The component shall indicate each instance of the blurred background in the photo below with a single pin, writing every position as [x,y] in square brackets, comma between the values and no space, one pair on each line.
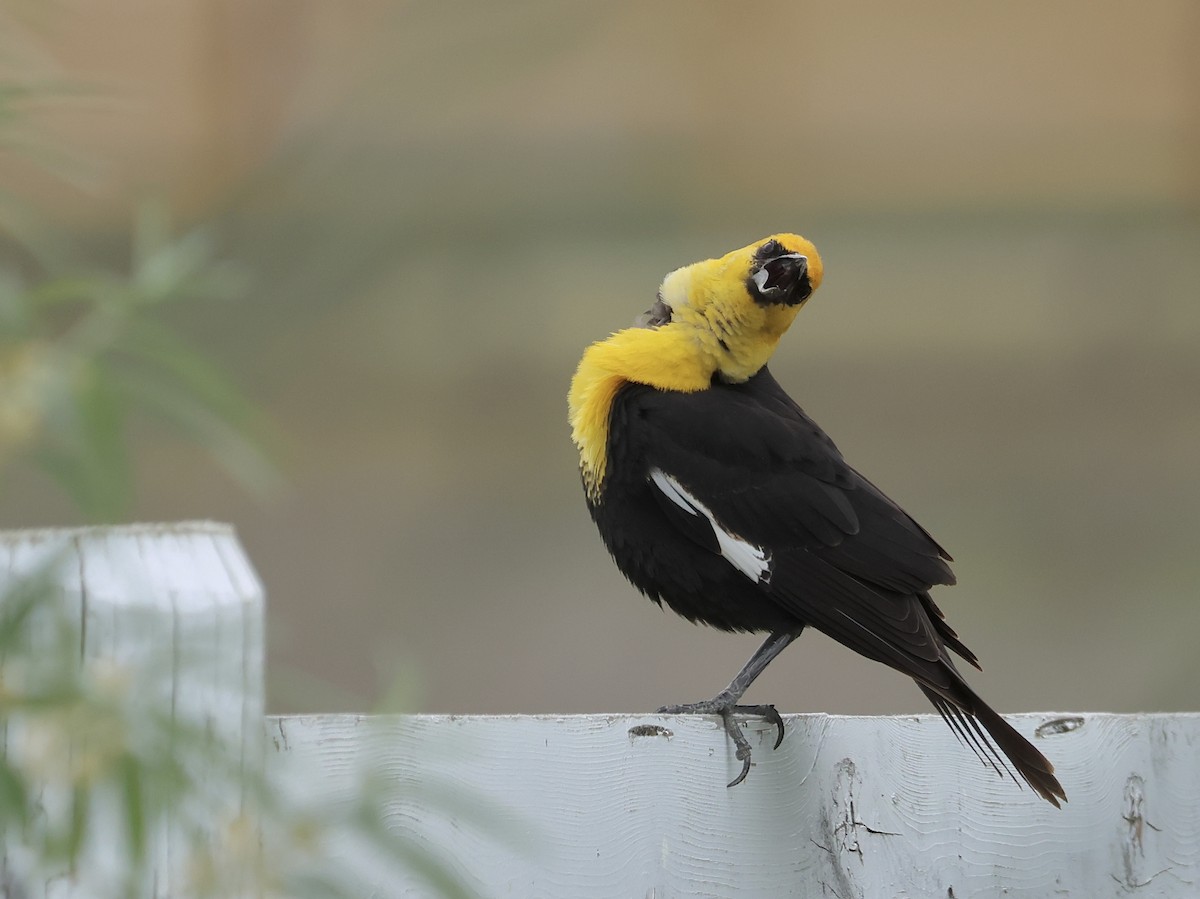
[324,271]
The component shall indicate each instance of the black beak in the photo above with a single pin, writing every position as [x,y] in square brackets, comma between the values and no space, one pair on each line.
[781,280]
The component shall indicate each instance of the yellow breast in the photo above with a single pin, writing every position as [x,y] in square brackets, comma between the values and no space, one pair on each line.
[666,358]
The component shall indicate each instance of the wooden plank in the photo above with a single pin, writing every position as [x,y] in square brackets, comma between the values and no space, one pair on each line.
[171,616]
[604,805]
[636,805]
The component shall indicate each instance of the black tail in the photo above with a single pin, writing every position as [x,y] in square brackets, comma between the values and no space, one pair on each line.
[981,728]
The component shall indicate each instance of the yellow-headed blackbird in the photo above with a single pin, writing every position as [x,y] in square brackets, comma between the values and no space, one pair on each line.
[716,494]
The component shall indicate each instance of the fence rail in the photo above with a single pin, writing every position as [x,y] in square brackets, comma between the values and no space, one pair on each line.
[636,805]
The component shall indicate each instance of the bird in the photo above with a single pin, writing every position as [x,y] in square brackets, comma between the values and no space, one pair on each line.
[718,496]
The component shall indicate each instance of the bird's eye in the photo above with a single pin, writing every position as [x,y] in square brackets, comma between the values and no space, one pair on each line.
[770,249]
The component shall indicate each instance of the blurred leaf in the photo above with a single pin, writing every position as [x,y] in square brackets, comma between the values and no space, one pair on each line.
[222,439]
[44,246]
[206,384]
[81,357]
[45,697]
[101,416]
[168,269]
[323,886]
[77,289]
[104,357]
[81,803]
[15,318]
[130,775]
[91,461]
[14,809]
[18,602]
[83,740]
[402,687]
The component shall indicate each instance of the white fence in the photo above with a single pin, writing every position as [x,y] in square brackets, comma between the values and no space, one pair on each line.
[635,805]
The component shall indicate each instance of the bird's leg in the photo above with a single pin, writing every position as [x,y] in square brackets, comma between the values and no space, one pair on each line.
[724,704]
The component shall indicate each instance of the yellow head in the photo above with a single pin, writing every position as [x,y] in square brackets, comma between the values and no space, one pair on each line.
[718,318]
[735,309]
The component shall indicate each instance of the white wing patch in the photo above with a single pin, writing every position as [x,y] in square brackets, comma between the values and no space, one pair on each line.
[752,561]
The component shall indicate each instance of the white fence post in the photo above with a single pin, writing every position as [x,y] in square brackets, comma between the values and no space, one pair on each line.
[175,613]
[603,806]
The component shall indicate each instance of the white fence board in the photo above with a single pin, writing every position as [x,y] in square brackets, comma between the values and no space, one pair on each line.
[177,611]
[636,805]
[613,805]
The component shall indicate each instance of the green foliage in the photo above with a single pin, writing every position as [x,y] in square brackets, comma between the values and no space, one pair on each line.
[82,352]
[85,348]
[97,771]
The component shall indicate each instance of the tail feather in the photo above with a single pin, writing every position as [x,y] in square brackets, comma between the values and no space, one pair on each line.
[949,636]
[987,734]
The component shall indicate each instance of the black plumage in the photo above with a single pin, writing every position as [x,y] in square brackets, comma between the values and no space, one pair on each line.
[840,556]
[718,496]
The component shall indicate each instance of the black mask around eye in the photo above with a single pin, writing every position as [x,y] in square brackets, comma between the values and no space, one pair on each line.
[779,277]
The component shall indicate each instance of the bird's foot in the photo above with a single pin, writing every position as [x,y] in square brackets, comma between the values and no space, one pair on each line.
[726,709]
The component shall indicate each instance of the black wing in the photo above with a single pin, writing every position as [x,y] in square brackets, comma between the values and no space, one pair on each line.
[844,557]
[743,465]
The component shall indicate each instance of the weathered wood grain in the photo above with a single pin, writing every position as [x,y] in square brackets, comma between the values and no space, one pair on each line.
[635,805]
[172,616]
[614,805]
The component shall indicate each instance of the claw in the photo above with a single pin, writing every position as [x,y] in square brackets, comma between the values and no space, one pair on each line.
[745,770]
[734,730]
[726,711]
[773,717]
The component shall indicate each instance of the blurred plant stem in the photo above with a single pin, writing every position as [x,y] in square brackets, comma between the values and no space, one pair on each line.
[98,767]
[81,352]
[96,763]
[86,349]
